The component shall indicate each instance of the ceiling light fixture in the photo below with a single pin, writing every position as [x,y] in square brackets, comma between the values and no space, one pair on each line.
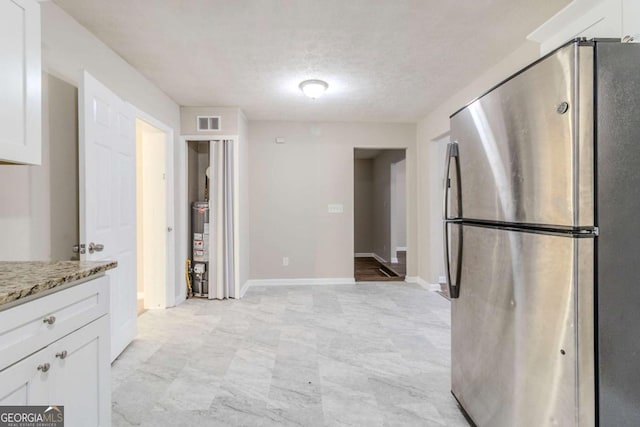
[313,88]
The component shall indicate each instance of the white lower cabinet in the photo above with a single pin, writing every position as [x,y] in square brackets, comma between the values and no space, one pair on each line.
[80,375]
[73,371]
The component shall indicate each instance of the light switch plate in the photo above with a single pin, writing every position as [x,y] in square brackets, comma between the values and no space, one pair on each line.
[335,208]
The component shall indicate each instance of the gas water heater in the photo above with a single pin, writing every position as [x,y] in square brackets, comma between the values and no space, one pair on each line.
[200,248]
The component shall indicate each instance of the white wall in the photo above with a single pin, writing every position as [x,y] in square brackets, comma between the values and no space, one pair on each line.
[382,203]
[63,175]
[398,207]
[291,185]
[363,205]
[192,190]
[67,49]
[201,173]
[35,197]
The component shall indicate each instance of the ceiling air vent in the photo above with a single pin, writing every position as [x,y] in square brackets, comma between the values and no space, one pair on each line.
[205,123]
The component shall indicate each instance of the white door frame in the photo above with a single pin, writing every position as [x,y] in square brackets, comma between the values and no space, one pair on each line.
[436,150]
[169,293]
[183,211]
[393,201]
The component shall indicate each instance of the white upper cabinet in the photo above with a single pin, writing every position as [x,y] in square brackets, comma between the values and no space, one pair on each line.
[20,82]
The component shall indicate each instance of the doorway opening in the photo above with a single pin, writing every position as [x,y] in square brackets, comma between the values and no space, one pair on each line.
[211,199]
[198,237]
[380,214]
[152,155]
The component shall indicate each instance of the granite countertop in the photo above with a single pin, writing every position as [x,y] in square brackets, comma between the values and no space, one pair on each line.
[25,280]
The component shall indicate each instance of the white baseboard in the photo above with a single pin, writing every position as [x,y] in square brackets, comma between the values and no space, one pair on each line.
[180,298]
[394,260]
[245,288]
[435,287]
[431,287]
[379,258]
[442,279]
[401,248]
[301,282]
[411,279]
[363,255]
[426,285]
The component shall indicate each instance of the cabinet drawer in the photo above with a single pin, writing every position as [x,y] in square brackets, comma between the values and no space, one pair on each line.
[31,326]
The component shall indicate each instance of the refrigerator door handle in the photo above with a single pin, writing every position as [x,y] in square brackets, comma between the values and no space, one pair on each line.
[454,288]
[447,263]
[452,151]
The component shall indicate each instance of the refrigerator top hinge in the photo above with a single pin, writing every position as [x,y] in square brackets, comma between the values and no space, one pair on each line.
[454,149]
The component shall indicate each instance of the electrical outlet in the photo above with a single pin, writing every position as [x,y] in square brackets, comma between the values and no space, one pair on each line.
[285,261]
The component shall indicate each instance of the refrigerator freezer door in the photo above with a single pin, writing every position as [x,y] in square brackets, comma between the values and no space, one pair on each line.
[526,148]
[522,328]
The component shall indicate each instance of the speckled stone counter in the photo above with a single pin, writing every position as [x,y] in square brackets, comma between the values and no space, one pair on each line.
[26,280]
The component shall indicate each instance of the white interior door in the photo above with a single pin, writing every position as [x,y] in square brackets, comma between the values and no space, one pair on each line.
[107,157]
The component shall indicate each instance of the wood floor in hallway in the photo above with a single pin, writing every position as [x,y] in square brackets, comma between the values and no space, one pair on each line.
[369,269]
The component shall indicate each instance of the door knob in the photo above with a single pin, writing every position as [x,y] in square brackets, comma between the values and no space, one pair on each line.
[44,367]
[78,249]
[169,229]
[62,355]
[95,247]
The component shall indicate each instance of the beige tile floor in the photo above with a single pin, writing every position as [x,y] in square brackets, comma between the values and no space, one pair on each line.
[371,354]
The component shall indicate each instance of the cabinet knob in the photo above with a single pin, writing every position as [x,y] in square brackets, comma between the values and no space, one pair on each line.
[44,367]
[62,354]
[49,320]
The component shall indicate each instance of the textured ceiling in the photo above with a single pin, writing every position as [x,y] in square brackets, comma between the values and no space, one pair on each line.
[384,60]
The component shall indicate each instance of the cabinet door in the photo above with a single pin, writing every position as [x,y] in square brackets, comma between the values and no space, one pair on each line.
[20,82]
[26,382]
[81,365]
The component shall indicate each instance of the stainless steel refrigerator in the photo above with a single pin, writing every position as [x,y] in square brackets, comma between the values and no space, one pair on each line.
[542,243]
